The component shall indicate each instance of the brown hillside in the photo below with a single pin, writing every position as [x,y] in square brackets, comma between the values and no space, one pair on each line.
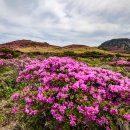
[24,44]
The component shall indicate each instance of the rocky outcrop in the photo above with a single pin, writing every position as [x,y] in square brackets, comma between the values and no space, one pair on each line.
[117,45]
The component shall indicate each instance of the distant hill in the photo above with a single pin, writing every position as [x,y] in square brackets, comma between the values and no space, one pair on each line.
[24,44]
[117,45]
[29,43]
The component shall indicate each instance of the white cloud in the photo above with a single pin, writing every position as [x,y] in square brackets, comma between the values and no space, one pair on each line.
[64,22]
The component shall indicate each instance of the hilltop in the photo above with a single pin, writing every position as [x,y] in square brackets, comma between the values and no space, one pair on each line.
[24,44]
[117,45]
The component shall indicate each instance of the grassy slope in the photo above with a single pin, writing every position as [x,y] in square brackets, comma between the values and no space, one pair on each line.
[51,49]
[60,50]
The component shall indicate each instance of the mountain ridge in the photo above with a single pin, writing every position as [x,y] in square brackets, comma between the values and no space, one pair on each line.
[29,43]
[120,45]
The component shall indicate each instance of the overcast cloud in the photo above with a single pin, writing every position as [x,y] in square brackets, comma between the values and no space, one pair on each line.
[63,22]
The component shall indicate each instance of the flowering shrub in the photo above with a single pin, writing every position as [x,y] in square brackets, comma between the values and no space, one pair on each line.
[128,68]
[2,62]
[1,54]
[18,64]
[9,56]
[120,62]
[64,93]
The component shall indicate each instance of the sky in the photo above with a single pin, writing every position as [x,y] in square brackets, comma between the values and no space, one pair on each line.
[63,22]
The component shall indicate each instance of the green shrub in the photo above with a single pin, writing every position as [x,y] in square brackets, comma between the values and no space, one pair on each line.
[118,55]
[9,53]
[34,54]
[6,50]
[128,59]
[69,53]
[92,54]
[16,53]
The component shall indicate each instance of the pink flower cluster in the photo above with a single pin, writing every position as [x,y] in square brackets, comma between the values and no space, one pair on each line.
[9,56]
[128,69]
[18,63]
[1,53]
[2,61]
[120,62]
[70,92]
